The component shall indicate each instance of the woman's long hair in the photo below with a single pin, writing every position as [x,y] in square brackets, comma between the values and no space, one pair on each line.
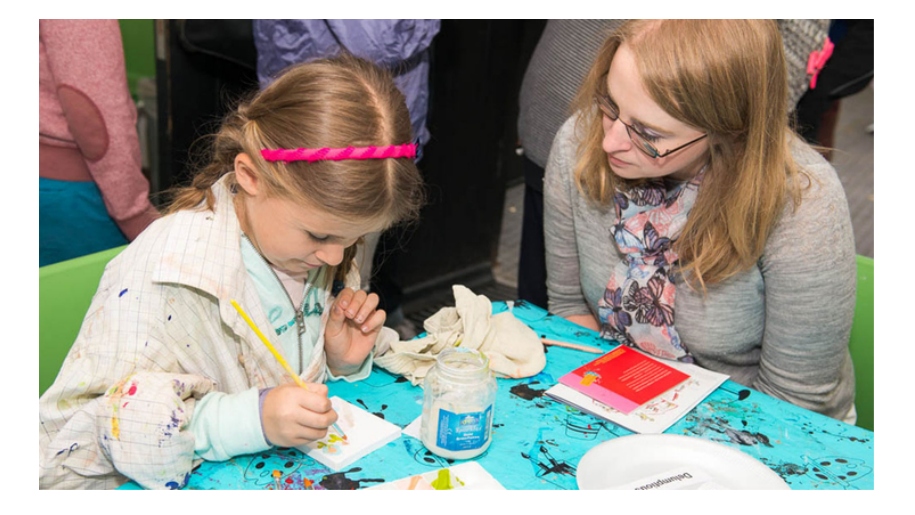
[727,78]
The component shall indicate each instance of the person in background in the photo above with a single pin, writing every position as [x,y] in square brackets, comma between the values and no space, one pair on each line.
[559,63]
[92,192]
[684,217]
[563,54]
[848,70]
[165,371]
[401,46]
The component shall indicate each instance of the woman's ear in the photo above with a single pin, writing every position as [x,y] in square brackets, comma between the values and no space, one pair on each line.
[246,174]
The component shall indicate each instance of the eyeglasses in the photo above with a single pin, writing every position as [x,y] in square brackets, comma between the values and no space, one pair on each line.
[609,108]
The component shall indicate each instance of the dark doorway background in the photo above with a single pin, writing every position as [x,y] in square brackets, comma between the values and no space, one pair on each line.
[203,66]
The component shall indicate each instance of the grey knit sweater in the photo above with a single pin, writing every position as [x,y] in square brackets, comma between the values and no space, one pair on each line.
[781,327]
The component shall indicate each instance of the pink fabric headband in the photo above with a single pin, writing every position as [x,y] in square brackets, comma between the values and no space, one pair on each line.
[339,154]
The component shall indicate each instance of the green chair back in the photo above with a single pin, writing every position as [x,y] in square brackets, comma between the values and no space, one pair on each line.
[139,38]
[861,343]
[65,290]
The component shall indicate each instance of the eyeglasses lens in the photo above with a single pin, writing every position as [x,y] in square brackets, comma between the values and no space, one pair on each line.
[610,110]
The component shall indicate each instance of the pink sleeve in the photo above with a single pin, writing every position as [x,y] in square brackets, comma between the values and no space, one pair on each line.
[86,58]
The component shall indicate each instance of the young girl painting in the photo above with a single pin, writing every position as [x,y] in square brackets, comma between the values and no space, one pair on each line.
[165,372]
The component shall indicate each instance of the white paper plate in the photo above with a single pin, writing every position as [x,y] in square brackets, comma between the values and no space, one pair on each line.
[664,461]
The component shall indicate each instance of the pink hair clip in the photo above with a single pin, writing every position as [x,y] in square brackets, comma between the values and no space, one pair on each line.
[817,61]
[339,154]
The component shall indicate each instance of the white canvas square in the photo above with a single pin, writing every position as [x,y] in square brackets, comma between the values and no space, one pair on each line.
[469,475]
[365,433]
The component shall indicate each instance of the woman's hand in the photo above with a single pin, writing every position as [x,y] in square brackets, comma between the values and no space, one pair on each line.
[585,321]
[293,416]
[352,329]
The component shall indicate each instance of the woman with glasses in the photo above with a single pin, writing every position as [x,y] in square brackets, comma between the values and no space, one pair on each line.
[684,217]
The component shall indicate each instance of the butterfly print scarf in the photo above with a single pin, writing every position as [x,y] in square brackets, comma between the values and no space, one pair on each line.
[637,308]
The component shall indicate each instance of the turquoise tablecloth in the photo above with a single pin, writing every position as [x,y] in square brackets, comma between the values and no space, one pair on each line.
[538,442]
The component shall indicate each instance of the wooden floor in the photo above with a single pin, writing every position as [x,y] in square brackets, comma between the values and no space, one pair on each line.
[853,160]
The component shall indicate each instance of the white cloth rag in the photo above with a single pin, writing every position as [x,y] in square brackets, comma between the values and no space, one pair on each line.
[514,349]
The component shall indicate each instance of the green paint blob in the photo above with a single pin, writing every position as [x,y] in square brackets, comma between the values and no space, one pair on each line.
[443,482]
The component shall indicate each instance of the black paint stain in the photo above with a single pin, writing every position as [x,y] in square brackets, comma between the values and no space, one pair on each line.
[379,414]
[426,457]
[583,429]
[552,465]
[286,452]
[738,436]
[747,437]
[790,469]
[845,437]
[526,392]
[339,481]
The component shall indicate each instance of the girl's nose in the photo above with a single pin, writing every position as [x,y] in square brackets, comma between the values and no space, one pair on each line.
[330,254]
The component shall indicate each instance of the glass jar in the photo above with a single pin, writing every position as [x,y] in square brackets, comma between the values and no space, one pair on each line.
[458,400]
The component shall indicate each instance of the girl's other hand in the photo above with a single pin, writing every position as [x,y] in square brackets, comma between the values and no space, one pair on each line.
[352,329]
[293,416]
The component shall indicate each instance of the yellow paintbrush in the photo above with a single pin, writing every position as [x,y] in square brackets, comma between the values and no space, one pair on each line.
[270,347]
[277,355]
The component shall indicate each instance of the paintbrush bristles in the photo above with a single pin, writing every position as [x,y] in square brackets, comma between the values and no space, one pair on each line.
[339,431]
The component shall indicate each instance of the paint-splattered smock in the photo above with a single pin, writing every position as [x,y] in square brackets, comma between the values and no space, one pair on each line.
[159,335]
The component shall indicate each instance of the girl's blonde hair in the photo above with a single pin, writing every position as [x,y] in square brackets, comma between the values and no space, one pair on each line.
[727,78]
[336,102]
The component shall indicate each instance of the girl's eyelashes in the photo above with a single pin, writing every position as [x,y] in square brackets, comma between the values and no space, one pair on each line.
[317,238]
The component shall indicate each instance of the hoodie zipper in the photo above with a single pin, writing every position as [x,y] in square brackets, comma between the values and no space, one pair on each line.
[299,313]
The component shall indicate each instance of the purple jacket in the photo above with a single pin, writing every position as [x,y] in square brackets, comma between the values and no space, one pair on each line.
[401,46]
